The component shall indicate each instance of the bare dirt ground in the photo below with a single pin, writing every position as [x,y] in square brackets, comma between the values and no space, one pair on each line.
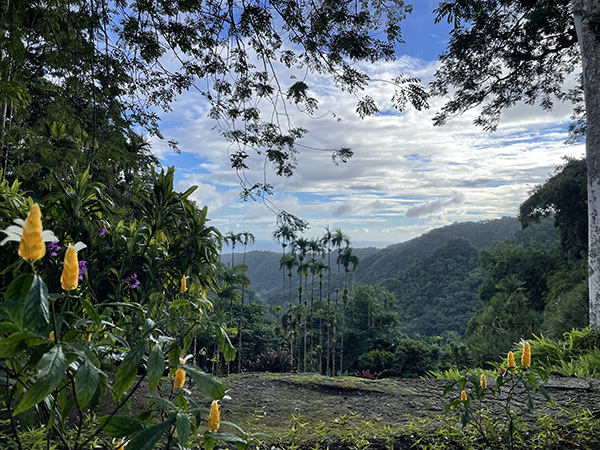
[313,407]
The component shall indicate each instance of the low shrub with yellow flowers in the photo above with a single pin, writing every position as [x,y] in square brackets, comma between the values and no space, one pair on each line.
[57,365]
[512,380]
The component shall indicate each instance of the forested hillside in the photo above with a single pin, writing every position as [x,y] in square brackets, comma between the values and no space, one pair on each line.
[434,277]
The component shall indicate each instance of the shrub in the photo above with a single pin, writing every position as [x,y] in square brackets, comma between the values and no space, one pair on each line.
[377,360]
[279,362]
[415,358]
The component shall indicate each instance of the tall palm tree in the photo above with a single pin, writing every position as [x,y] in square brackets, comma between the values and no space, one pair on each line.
[284,234]
[245,238]
[339,239]
[346,259]
[287,262]
[231,239]
[327,242]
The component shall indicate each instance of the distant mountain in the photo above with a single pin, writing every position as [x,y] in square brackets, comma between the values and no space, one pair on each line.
[435,277]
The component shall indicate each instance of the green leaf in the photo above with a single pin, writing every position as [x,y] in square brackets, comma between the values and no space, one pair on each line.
[86,383]
[147,439]
[208,383]
[162,403]
[119,426]
[91,312]
[128,370]
[19,341]
[156,367]
[36,312]
[228,437]
[17,290]
[184,428]
[229,350]
[51,369]
[8,327]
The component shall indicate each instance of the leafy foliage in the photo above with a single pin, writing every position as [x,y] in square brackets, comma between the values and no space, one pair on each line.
[278,362]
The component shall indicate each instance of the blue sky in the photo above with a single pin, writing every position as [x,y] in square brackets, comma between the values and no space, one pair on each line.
[406,176]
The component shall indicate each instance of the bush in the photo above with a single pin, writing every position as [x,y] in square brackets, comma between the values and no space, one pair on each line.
[376,360]
[279,362]
[415,358]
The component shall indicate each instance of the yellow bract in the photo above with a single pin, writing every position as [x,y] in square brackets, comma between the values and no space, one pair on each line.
[70,274]
[183,284]
[526,358]
[32,245]
[179,377]
[511,362]
[214,417]
[483,381]
[463,396]
[51,335]
[120,445]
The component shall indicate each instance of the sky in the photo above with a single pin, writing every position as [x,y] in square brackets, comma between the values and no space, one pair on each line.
[406,176]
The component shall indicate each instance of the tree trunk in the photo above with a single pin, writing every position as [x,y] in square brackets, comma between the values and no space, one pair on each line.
[587,22]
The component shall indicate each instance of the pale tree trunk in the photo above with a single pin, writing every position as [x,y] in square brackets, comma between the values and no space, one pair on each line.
[587,22]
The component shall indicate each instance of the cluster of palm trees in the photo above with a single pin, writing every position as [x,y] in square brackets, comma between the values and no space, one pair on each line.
[311,322]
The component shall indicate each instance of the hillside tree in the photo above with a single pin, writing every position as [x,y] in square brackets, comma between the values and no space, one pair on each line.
[502,52]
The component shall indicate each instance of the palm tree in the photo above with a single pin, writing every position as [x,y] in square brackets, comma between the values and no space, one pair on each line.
[287,262]
[346,259]
[339,238]
[231,238]
[283,235]
[245,238]
[327,241]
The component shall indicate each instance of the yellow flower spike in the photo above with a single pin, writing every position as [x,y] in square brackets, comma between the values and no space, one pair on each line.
[179,377]
[30,235]
[526,357]
[120,445]
[511,362]
[483,381]
[51,336]
[463,396]
[32,245]
[89,337]
[214,417]
[69,279]
[183,284]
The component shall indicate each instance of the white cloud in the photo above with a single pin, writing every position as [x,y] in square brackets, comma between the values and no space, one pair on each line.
[436,206]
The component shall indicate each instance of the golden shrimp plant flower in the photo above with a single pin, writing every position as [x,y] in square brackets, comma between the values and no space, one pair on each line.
[30,235]
[183,284]
[511,362]
[463,396]
[214,417]
[69,279]
[483,381]
[526,357]
[179,380]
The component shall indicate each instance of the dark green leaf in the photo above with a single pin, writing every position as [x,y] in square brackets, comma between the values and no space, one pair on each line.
[184,427]
[17,290]
[227,437]
[91,312]
[86,383]
[128,370]
[118,426]
[19,341]
[229,350]
[147,439]
[208,383]
[156,367]
[162,403]
[36,312]
[51,370]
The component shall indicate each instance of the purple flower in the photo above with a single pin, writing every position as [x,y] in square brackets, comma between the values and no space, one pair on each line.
[82,268]
[102,232]
[53,247]
[132,281]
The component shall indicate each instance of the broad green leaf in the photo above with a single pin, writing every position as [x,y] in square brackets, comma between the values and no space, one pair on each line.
[51,369]
[8,327]
[119,426]
[229,350]
[36,312]
[208,383]
[86,383]
[184,427]
[147,439]
[91,312]
[17,290]
[227,437]
[156,367]
[128,370]
[19,341]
